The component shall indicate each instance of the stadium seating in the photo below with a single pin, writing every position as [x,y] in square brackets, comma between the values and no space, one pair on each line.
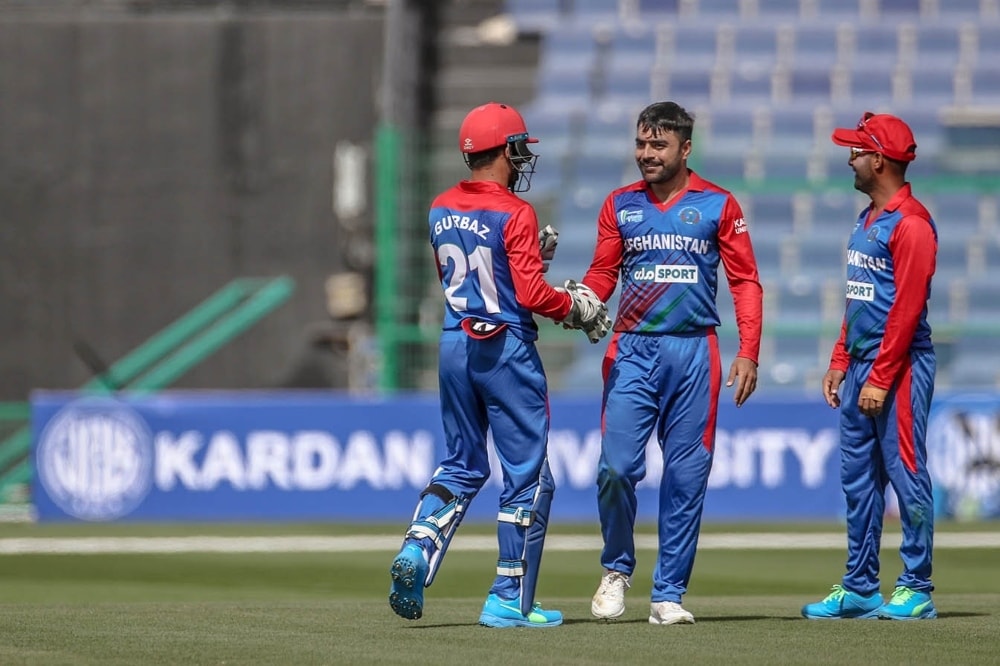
[767,81]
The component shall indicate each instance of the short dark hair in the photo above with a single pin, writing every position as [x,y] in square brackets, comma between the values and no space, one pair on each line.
[484,158]
[900,165]
[667,117]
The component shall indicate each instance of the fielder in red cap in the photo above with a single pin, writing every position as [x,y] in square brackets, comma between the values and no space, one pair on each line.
[489,254]
[885,360]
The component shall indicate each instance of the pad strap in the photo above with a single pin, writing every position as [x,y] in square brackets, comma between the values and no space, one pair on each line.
[517,515]
[510,567]
[435,523]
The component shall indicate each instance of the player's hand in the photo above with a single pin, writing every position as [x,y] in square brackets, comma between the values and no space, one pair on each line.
[587,312]
[831,384]
[742,373]
[548,239]
[871,400]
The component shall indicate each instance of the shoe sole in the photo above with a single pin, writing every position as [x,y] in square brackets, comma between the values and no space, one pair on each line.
[406,597]
[605,616]
[927,616]
[497,622]
[673,620]
[870,615]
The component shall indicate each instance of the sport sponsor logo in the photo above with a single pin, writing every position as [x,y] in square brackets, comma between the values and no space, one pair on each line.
[740,226]
[665,273]
[860,291]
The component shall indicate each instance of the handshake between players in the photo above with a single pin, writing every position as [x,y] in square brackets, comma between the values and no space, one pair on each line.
[587,313]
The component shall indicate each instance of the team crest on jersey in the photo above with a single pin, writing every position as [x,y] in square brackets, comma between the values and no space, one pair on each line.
[873,234]
[629,216]
[689,215]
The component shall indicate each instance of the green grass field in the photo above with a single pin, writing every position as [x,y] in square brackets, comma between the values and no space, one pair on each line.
[330,607]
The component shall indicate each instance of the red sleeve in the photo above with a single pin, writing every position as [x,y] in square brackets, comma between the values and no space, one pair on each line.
[738,259]
[839,358]
[913,248]
[604,268]
[525,257]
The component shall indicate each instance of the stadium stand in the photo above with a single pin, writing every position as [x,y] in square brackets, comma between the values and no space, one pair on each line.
[768,80]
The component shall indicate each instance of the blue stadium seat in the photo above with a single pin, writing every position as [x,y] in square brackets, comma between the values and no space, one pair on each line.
[815,44]
[732,129]
[767,249]
[984,301]
[750,84]
[986,251]
[658,9]
[634,43]
[957,212]
[837,9]
[822,255]
[534,15]
[988,41]
[952,256]
[572,44]
[779,9]
[932,85]
[687,88]
[756,43]
[770,214]
[970,9]
[876,44]
[897,7]
[810,83]
[871,86]
[694,46]
[798,359]
[986,83]
[628,77]
[835,213]
[591,10]
[937,45]
[719,8]
[792,128]
[571,86]
[723,168]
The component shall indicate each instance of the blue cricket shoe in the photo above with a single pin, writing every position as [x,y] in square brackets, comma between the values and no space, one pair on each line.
[908,604]
[842,604]
[499,612]
[408,571]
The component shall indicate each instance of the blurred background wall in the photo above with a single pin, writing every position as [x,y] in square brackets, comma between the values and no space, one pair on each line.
[151,152]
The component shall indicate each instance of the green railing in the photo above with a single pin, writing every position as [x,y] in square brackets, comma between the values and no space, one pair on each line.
[155,364]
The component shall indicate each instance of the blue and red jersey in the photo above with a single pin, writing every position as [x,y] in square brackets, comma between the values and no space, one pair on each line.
[667,255]
[485,239]
[891,258]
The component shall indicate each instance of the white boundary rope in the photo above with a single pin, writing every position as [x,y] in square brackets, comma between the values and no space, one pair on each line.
[385,543]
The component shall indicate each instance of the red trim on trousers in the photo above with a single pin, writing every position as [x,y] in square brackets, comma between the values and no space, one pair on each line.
[714,385]
[904,419]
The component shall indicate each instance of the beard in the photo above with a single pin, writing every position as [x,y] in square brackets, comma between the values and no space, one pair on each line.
[862,184]
[658,171]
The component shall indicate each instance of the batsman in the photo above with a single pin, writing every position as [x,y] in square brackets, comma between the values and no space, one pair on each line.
[491,258]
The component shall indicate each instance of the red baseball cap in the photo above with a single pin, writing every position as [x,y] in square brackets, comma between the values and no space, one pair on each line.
[880,133]
[492,125]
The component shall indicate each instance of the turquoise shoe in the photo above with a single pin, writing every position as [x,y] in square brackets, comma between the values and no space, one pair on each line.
[842,604]
[500,613]
[408,571]
[907,604]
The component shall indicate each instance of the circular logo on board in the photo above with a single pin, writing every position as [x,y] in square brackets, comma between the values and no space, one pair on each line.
[95,460]
[963,456]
